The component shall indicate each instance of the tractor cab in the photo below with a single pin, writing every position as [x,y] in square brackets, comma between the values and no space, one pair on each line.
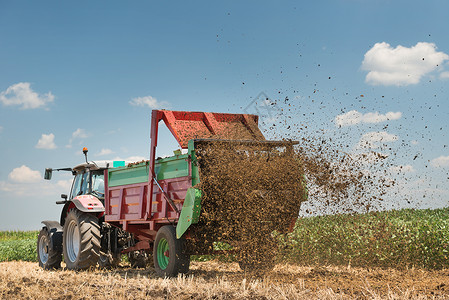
[88,178]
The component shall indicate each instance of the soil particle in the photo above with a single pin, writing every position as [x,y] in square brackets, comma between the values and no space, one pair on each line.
[250,189]
[254,190]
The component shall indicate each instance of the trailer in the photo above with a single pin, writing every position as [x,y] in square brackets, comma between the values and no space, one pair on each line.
[226,189]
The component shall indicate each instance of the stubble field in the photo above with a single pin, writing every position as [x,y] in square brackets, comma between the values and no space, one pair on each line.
[218,280]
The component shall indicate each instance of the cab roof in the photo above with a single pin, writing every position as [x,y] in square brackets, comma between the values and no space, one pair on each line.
[101,165]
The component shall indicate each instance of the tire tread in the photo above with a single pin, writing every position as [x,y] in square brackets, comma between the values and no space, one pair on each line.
[54,256]
[89,240]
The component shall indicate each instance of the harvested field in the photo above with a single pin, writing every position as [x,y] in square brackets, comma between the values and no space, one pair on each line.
[216,280]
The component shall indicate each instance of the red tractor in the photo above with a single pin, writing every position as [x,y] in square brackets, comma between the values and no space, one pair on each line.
[86,239]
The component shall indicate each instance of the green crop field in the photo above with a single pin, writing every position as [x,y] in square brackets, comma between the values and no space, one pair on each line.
[403,238]
[18,245]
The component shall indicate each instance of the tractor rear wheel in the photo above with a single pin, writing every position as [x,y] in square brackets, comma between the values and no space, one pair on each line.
[169,253]
[48,255]
[81,240]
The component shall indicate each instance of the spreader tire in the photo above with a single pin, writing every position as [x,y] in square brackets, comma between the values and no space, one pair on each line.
[169,253]
[49,256]
[81,240]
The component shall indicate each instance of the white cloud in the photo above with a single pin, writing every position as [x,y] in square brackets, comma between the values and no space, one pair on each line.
[6,187]
[374,140]
[47,141]
[377,118]
[21,94]
[150,102]
[63,185]
[105,152]
[354,117]
[77,134]
[26,182]
[402,169]
[24,174]
[440,162]
[444,75]
[401,65]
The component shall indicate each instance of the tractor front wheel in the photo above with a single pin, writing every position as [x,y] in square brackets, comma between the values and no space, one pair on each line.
[169,253]
[81,240]
[48,255]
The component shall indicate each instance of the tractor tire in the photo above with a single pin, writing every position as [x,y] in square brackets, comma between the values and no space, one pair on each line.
[169,253]
[81,240]
[49,257]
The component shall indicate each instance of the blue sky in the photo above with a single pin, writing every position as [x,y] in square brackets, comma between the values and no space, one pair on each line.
[75,74]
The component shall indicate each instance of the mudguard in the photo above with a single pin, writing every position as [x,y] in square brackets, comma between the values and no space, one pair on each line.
[190,212]
[88,203]
[55,231]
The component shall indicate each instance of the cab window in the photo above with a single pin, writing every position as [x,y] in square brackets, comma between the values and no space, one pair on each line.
[98,183]
[76,185]
[85,184]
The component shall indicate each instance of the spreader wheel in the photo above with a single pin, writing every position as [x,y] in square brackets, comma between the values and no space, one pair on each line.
[49,256]
[81,240]
[169,253]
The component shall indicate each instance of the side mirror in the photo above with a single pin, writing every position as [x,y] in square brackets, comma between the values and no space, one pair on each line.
[48,173]
[64,196]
